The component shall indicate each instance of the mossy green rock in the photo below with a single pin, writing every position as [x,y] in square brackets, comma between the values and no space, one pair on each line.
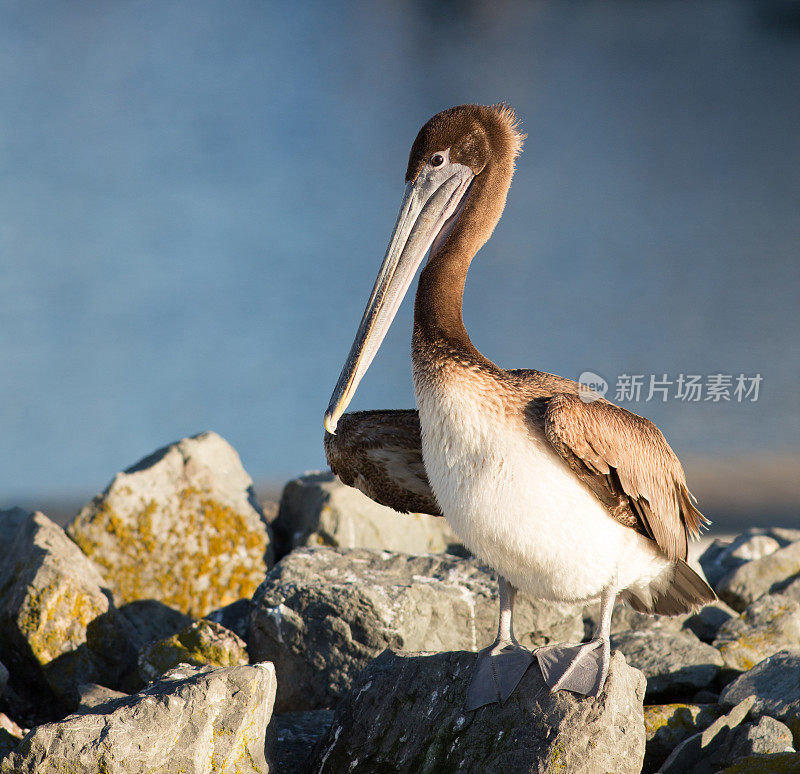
[201,643]
[181,526]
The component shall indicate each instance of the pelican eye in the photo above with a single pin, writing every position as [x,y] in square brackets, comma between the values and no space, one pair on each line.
[437,160]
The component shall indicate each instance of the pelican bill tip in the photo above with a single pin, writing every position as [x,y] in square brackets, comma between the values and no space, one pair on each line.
[330,423]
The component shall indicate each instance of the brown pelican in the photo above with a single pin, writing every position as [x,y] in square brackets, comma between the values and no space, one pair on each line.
[567,496]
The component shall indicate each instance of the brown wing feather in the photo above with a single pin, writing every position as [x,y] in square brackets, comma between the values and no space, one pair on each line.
[628,464]
[380,453]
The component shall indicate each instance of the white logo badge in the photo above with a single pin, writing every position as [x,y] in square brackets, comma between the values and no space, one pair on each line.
[592,387]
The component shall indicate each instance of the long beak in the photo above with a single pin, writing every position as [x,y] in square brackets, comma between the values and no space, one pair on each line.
[428,204]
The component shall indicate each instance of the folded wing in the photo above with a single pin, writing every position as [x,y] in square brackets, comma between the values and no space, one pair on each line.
[380,453]
[628,464]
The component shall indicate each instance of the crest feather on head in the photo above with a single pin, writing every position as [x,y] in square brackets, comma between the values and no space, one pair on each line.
[511,123]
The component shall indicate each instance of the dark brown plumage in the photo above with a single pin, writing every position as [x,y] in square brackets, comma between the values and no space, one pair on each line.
[380,453]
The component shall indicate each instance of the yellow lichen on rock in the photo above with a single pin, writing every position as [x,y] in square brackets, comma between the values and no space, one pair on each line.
[49,597]
[184,530]
[202,643]
[768,625]
[667,725]
[53,618]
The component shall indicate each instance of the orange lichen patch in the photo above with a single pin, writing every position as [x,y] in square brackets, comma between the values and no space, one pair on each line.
[192,552]
[53,618]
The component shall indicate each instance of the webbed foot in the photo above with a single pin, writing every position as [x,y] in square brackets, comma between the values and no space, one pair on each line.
[581,668]
[497,673]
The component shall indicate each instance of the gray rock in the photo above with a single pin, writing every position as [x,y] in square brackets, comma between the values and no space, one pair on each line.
[269,508]
[706,623]
[726,741]
[149,620]
[3,678]
[693,753]
[7,724]
[775,685]
[50,594]
[196,719]
[323,614]
[766,736]
[10,735]
[406,714]
[235,617]
[10,521]
[784,535]
[117,638]
[8,743]
[667,725]
[93,695]
[768,625]
[776,763]
[705,696]
[675,663]
[626,619]
[317,509]
[769,574]
[190,509]
[723,556]
[716,562]
[748,548]
[291,737]
[28,709]
[201,643]
[793,589]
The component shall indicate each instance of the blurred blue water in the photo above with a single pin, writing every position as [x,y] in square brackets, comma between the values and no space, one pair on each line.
[196,196]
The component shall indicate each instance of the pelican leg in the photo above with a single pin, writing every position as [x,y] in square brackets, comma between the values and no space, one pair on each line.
[499,667]
[581,668]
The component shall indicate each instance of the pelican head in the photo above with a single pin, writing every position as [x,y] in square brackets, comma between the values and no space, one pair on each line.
[459,171]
